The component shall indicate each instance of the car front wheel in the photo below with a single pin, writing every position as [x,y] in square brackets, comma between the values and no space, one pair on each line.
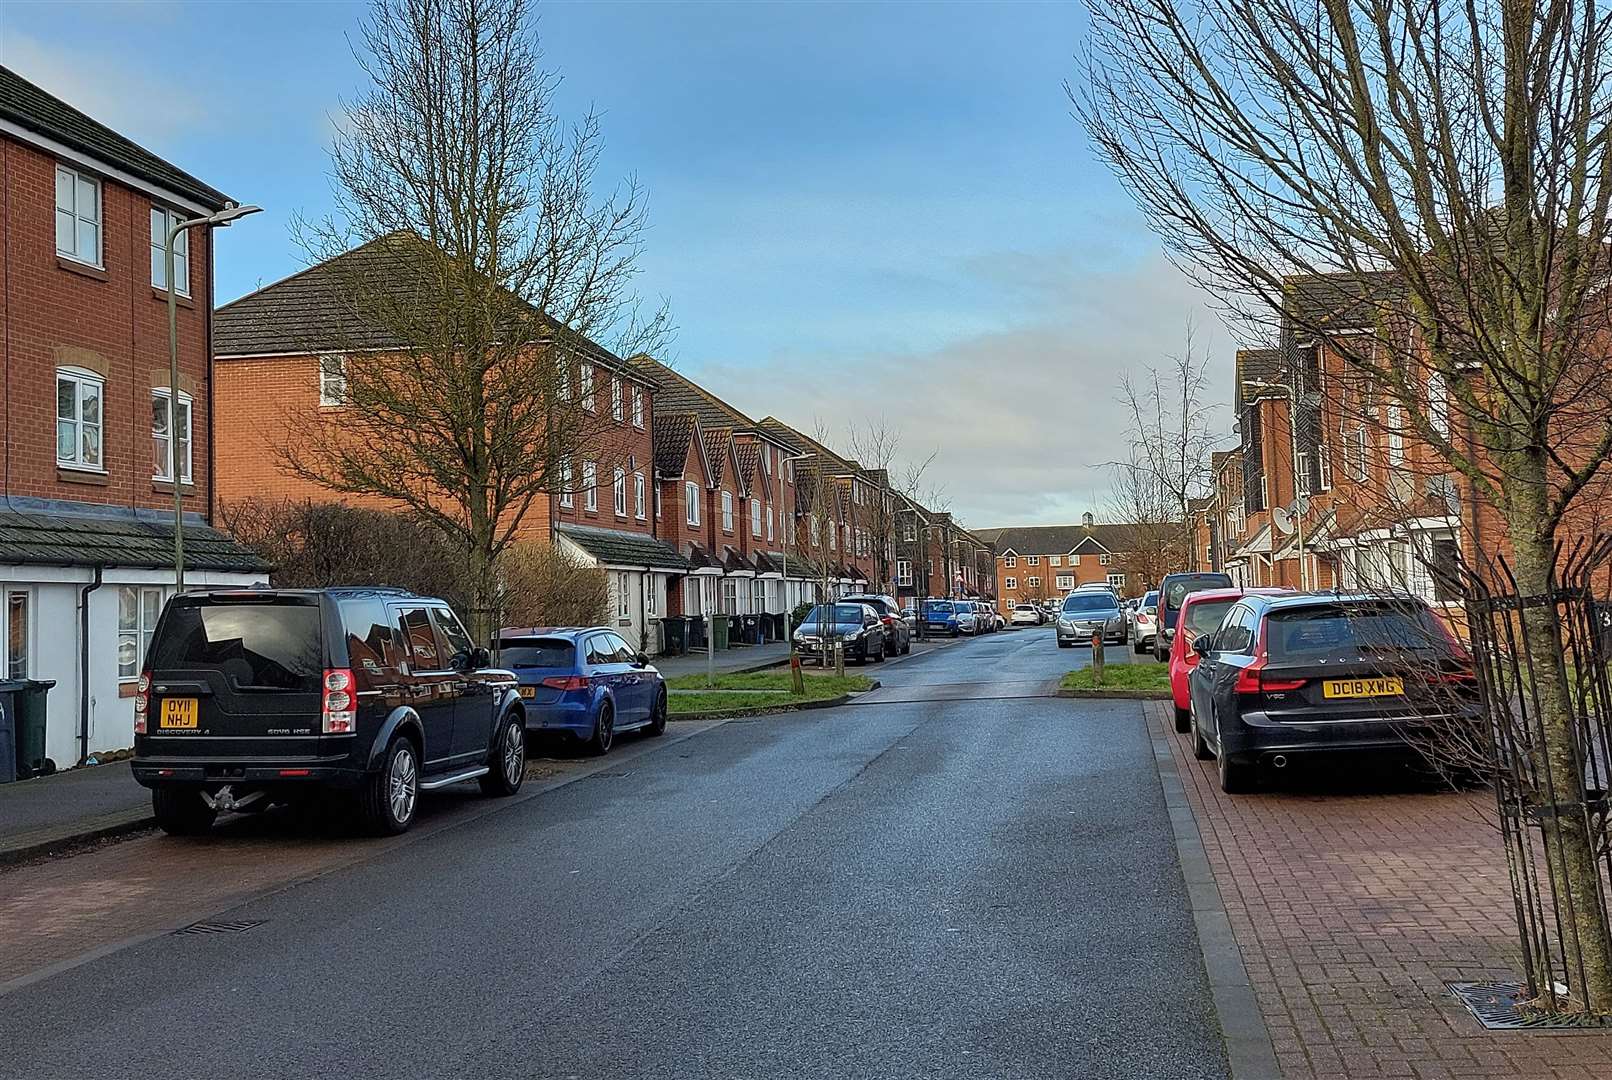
[506,767]
[182,811]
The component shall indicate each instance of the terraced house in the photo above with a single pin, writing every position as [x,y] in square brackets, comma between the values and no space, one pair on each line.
[1041,562]
[90,419]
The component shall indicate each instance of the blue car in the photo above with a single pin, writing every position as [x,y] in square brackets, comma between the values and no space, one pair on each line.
[940,617]
[584,681]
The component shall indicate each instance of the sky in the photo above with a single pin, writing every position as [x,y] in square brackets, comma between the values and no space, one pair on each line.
[862,215]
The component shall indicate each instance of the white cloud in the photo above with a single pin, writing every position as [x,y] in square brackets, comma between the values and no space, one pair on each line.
[1024,418]
[140,104]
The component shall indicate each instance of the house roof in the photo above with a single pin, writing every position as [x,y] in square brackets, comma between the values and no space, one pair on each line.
[1256,365]
[672,431]
[615,548]
[782,432]
[49,534]
[1059,539]
[36,110]
[678,393]
[1341,301]
[716,451]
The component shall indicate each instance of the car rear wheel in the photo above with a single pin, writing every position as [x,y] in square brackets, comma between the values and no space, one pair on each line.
[1139,647]
[1236,777]
[388,798]
[182,811]
[604,731]
[657,714]
[506,766]
[1183,720]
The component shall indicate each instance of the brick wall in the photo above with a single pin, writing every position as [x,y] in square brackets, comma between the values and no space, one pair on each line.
[619,444]
[110,321]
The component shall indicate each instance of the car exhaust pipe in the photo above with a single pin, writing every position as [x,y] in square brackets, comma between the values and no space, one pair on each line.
[1279,761]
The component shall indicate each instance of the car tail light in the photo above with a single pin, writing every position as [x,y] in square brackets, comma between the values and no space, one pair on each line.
[340,709]
[568,682]
[142,702]
[1253,680]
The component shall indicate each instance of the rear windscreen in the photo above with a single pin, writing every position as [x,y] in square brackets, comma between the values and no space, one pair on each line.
[1203,616]
[1352,631]
[1178,589]
[265,645]
[938,607]
[537,652]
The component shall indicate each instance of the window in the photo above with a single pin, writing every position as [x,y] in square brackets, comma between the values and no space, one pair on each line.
[638,407]
[78,418]
[1444,569]
[1034,560]
[832,537]
[657,502]
[1117,580]
[755,518]
[766,457]
[1396,437]
[903,572]
[1074,560]
[727,511]
[16,636]
[1056,560]
[1011,583]
[638,495]
[332,380]
[619,486]
[138,608]
[789,470]
[566,497]
[161,221]
[811,527]
[1033,582]
[163,429]
[590,486]
[587,387]
[78,215]
[623,610]
[909,533]
[769,523]
[562,378]
[691,498]
[617,412]
[1066,581]
[1010,561]
[1324,460]
[1438,404]
[649,594]
[1354,453]
[1104,559]
[453,636]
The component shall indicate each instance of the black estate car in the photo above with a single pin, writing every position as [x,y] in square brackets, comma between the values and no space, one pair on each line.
[258,696]
[1173,588]
[1290,676]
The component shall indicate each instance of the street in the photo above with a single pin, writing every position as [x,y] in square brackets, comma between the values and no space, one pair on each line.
[955,876]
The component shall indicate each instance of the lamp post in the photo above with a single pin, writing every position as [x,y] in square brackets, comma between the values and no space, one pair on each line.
[220,219]
[1293,402]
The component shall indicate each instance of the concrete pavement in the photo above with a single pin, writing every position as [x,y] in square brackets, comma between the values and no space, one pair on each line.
[947,887]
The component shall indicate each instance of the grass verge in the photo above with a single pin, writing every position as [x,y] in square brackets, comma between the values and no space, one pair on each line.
[754,692]
[1120,677]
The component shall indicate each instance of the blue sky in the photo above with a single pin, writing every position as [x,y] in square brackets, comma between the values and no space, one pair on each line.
[861,214]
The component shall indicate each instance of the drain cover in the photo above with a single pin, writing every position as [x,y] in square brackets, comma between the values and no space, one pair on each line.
[212,927]
[1497,1005]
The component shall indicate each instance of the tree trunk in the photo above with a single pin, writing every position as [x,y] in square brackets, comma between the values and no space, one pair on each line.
[1574,872]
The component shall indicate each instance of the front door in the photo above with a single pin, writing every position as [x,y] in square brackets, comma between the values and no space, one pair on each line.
[428,683]
[635,684]
[473,706]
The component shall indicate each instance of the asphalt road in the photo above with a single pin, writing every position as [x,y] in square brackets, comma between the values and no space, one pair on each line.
[944,883]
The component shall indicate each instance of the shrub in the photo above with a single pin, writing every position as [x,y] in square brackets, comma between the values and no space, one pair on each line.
[541,585]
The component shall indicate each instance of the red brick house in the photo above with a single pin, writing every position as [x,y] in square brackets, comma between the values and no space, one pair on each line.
[86,526]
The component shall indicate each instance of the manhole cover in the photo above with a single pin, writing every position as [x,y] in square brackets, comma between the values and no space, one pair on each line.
[215,927]
[1497,1007]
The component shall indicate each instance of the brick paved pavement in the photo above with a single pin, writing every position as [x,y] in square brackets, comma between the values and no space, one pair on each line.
[1351,912]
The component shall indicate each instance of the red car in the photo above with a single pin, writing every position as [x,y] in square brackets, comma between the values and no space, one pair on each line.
[1201,612]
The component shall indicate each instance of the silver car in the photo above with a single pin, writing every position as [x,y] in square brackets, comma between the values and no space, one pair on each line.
[1089,612]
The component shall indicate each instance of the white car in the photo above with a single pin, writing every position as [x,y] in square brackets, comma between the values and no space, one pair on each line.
[1144,620]
[1027,615]
[967,618]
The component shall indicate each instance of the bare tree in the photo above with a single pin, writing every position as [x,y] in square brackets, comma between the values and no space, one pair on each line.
[1436,175]
[479,265]
[1154,543]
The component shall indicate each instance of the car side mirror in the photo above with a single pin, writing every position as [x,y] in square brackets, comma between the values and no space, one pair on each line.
[641,660]
[478,658]
[1204,644]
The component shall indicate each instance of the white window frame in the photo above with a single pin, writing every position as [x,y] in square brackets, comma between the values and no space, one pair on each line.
[1117,580]
[12,664]
[638,407]
[618,485]
[755,517]
[138,633]
[769,523]
[623,607]
[1011,583]
[1324,466]
[655,496]
[638,495]
[691,501]
[618,408]
[74,214]
[651,586]
[1055,560]
[161,463]
[1033,582]
[1438,404]
[1010,562]
[562,377]
[332,380]
[904,572]
[567,496]
[81,378]
[590,485]
[1104,558]
[163,219]
[727,511]
[1064,581]
[1033,560]
[587,386]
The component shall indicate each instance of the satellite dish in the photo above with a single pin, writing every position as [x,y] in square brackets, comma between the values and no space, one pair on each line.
[1282,520]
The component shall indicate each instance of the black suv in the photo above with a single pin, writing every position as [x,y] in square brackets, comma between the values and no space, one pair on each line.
[260,696]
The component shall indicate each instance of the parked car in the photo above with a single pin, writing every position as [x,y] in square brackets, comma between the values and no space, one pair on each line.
[252,697]
[586,682]
[985,617]
[1144,620]
[968,617]
[1027,615]
[898,633]
[1094,611]
[940,617]
[1305,674]
[1201,613]
[856,627]
[1171,591]
[909,615]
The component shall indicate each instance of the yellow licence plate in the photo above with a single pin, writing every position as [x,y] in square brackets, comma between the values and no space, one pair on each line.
[1363,688]
[178,713]
[528,691]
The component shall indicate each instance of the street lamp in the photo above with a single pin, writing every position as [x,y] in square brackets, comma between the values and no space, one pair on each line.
[223,217]
[1293,402]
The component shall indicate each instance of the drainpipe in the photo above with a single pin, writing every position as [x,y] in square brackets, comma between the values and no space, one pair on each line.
[84,665]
